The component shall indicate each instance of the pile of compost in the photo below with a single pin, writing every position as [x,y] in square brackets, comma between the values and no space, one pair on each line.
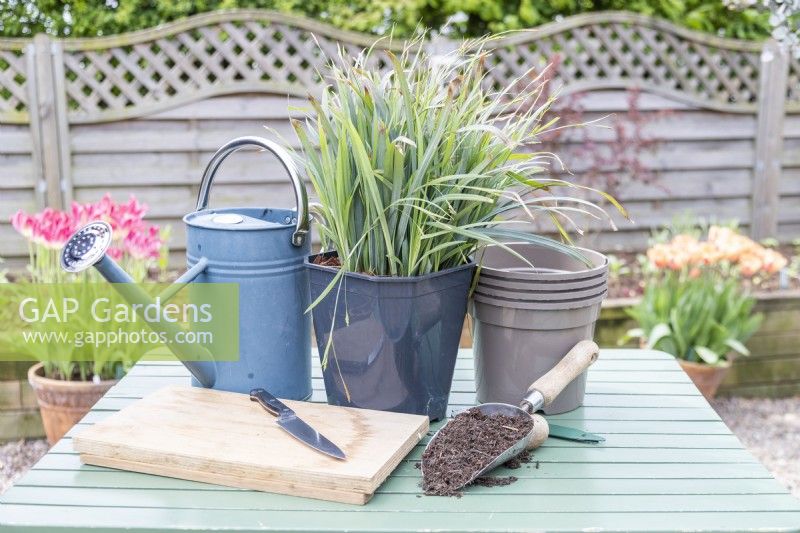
[466,445]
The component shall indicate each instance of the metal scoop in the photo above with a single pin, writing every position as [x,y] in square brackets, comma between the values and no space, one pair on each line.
[540,394]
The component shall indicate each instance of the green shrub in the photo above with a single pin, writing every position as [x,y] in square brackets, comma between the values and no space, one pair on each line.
[484,16]
[82,18]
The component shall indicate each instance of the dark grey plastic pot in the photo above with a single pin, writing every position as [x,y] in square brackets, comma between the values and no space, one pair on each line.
[394,340]
[516,345]
[548,264]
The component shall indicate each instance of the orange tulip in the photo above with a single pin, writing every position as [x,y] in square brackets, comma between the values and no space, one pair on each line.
[721,244]
[749,264]
[773,261]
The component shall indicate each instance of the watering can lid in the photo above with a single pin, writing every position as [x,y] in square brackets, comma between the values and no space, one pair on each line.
[242,218]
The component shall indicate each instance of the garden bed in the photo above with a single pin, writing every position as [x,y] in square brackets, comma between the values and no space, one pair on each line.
[626,279]
[773,368]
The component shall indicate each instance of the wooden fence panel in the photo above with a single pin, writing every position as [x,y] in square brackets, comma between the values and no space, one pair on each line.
[170,150]
[18,186]
[701,162]
[789,187]
[18,172]
[142,113]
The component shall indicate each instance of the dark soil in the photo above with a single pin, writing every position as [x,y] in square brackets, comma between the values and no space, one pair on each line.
[516,462]
[512,464]
[466,445]
[328,261]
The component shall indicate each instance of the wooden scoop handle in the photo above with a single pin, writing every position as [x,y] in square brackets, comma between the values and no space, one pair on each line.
[541,429]
[571,366]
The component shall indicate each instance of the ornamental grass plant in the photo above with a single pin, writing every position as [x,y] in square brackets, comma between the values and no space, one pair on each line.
[417,166]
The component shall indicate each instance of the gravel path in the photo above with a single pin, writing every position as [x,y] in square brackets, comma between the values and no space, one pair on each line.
[771,431]
[769,428]
[17,457]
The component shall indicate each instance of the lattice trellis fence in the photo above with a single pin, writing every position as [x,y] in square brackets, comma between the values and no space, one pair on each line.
[13,75]
[58,98]
[232,51]
[620,49]
[216,53]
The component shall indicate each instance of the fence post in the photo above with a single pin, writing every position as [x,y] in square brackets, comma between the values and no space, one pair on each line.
[48,120]
[40,186]
[769,140]
[62,123]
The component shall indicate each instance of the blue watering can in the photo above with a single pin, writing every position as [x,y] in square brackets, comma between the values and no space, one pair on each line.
[260,248]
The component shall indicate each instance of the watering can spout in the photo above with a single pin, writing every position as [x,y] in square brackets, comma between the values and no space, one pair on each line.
[87,248]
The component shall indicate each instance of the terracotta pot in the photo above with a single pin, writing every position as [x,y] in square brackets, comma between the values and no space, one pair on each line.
[63,403]
[707,378]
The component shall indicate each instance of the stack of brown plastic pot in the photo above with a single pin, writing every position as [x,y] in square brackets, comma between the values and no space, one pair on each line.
[526,318]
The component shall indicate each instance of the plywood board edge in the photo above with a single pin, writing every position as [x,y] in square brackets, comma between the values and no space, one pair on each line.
[402,452]
[279,487]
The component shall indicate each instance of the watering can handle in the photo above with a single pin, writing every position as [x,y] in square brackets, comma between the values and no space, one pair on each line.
[300,196]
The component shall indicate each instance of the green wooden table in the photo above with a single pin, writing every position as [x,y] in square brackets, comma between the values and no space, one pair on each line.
[669,463]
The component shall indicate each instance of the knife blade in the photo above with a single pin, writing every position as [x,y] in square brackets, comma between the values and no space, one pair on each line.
[294,425]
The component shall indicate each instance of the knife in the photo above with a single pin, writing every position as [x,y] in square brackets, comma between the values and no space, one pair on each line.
[289,421]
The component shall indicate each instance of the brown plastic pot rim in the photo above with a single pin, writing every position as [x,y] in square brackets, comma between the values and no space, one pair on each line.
[37,380]
[541,274]
[538,275]
[544,305]
[503,300]
[541,295]
[514,283]
[566,296]
[550,321]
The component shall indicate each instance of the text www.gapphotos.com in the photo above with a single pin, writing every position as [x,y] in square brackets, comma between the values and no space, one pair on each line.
[108,339]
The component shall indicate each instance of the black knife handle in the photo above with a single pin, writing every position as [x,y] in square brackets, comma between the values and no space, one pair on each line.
[269,402]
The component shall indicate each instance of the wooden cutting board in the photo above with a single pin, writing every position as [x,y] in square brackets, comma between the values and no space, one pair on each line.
[224,438]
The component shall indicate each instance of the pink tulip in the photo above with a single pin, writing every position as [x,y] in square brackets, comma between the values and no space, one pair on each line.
[115,253]
[144,245]
[23,223]
[133,236]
